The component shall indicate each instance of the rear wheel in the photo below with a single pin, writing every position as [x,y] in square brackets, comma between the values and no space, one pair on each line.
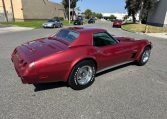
[82,75]
[144,56]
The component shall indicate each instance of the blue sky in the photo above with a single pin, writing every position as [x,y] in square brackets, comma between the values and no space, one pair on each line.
[101,5]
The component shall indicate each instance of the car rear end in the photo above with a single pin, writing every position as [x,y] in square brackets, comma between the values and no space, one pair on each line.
[117,23]
[24,66]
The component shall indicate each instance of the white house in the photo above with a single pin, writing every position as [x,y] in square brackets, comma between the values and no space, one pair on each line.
[118,15]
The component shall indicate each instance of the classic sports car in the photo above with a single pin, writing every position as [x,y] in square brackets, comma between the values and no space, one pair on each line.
[117,23]
[75,55]
[53,23]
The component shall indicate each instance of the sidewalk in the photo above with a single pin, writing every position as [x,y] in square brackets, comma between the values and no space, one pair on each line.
[5,29]
[158,35]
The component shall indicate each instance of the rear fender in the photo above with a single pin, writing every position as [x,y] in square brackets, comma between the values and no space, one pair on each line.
[74,63]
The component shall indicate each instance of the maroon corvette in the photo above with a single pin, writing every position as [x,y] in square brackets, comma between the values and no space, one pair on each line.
[117,23]
[75,55]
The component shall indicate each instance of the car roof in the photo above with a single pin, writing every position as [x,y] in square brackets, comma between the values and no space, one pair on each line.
[86,29]
[85,37]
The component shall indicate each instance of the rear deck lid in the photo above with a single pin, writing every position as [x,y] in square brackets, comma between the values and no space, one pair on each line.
[43,47]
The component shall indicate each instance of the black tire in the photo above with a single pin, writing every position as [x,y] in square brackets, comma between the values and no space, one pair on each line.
[74,82]
[141,61]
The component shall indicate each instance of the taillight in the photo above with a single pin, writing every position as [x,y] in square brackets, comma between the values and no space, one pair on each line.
[24,64]
[15,51]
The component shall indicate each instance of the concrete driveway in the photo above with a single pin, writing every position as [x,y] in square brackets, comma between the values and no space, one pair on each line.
[126,92]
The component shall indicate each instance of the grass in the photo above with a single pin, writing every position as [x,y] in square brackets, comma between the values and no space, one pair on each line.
[32,24]
[141,28]
[66,23]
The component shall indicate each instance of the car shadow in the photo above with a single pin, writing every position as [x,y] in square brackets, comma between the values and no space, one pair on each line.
[48,86]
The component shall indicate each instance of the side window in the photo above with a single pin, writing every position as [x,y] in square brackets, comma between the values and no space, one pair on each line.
[103,39]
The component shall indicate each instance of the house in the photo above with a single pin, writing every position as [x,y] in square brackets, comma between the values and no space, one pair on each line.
[158,16]
[30,10]
[118,15]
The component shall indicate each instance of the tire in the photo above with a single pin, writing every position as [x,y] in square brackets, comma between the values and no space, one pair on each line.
[82,75]
[144,56]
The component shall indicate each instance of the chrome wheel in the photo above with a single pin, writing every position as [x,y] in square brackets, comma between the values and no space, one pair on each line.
[84,75]
[146,55]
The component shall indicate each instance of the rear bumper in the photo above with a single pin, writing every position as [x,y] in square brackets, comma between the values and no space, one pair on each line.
[21,70]
[117,25]
[48,26]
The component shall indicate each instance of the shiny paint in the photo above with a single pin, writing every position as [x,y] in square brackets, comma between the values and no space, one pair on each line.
[117,23]
[51,60]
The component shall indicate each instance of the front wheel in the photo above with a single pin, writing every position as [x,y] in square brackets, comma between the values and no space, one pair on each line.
[82,75]
[144,56]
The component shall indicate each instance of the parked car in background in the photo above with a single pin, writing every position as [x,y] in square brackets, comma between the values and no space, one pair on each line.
[53,23]
[91,21]
[78,22]
[74,55]
[117,23]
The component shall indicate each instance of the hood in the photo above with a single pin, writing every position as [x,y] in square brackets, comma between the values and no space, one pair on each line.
[40,48]
[49,23]
[124,39]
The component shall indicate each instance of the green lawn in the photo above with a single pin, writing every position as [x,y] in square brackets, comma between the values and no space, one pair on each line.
[141,28]
[32,24]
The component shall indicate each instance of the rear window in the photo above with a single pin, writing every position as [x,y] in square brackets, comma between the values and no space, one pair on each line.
[68,35]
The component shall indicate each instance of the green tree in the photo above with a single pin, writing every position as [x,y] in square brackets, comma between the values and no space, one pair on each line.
[126,17]
[145,7]
[99,15]
[132,6]
[88,13]
[73,4]
[94,14]
[112,17]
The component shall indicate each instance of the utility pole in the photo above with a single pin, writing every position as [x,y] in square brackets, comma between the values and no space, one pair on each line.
[12,10]
[69,5]
[4,8]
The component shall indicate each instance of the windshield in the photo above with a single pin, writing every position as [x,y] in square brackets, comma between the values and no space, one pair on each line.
[68,35]
[50,20]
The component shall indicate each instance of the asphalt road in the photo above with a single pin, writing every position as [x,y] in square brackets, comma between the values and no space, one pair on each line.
[127,92]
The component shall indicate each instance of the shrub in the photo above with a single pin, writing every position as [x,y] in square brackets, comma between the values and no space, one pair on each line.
[60,18]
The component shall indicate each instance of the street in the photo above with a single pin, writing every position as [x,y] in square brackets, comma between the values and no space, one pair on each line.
[126,92]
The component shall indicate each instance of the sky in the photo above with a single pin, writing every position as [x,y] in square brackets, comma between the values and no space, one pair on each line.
[104,6]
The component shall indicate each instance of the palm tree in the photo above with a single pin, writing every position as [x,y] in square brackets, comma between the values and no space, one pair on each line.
[145,7]
[73,4]
[132,7]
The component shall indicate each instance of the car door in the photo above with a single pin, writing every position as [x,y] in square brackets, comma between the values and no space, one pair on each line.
[110,51]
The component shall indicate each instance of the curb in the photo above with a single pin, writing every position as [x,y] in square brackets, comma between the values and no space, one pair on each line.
[133,31]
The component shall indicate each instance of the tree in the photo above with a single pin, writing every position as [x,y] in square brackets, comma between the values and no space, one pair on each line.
[112,17]
[73,4]
[99,15]
[145,7]
[126,17]
[94,14]
[132,6]
[88,13]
